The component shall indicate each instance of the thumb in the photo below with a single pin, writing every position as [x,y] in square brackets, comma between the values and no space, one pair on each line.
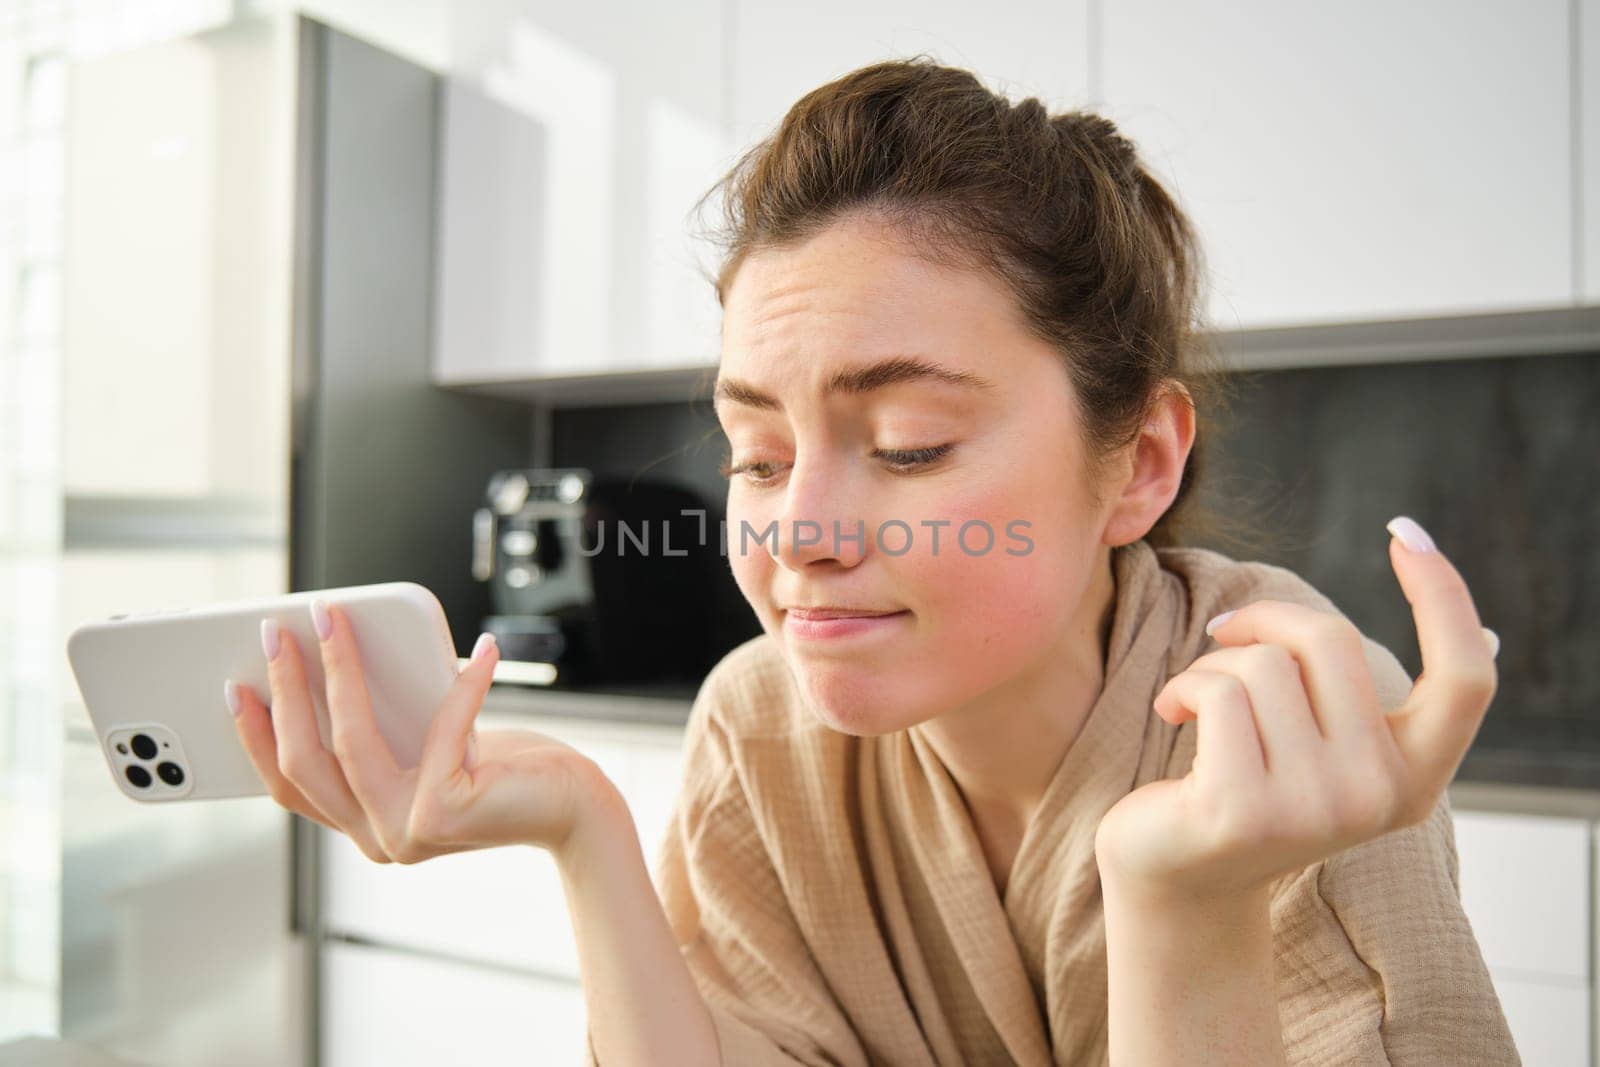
[451,745]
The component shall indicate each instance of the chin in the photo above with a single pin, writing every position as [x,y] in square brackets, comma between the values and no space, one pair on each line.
[857,701]
[865,725]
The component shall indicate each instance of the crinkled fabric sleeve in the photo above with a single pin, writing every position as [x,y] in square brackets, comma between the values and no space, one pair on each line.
[727,908]
[1377,962]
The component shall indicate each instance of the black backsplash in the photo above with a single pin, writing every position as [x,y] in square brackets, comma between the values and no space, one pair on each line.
[1499,459]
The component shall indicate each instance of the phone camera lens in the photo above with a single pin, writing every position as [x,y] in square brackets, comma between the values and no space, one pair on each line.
[170,772]
[143,746]
[138,776]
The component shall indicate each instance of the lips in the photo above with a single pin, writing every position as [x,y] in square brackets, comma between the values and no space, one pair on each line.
[839,629]
[838,613]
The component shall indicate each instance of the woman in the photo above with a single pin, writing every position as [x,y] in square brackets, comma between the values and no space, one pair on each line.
[1010,775]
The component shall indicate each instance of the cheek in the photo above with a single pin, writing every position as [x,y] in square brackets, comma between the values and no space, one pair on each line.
[986,613]
[752,565]
[994,541]
[1004,573]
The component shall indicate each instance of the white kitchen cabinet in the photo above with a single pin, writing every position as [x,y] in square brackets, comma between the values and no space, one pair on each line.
[1588,12]
[403,1010]
[1362,160]
[1344,163]
[566,250]
[490,291]
[778,54]
[1525,886]
[499,906]
[1549,1019]
[1527,889]
[502,906]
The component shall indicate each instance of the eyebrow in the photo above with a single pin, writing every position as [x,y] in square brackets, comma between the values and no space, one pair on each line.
[886,372]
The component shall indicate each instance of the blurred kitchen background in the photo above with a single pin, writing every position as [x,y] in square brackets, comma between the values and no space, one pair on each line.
[284,286]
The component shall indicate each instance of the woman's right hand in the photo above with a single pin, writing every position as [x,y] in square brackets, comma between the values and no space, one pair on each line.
[470,790]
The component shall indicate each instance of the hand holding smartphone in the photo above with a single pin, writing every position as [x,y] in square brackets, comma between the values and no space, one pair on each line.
[153,682]
[367,731]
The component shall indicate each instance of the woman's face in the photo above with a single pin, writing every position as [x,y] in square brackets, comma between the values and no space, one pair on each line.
[1001,430]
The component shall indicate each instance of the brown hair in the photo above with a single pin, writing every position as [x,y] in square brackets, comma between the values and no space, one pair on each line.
[1104,263]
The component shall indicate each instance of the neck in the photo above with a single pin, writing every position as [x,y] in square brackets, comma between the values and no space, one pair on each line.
[1003,748]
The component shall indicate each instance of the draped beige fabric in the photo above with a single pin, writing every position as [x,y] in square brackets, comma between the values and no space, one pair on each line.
[831,898]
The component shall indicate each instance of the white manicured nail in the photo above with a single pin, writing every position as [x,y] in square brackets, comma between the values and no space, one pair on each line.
[1411,535]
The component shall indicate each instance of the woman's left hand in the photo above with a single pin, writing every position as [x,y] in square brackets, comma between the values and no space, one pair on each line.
[1295,757]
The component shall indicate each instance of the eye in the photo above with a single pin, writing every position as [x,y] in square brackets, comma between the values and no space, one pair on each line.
[728,469]
[912,458]
[901,459]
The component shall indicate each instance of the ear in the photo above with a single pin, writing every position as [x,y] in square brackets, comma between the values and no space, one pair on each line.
[1152,470]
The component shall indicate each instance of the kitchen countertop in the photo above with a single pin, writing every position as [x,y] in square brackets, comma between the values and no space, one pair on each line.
[1525,799]
[654,709]
[1577,770]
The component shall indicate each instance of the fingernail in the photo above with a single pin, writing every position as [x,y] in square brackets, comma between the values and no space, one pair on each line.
[230,693]
[1494,642]
[1411,535]
[319,619]
[269,638]
[1219,620]
[485,639]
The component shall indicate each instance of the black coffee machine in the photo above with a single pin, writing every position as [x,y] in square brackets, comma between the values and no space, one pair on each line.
[609,580]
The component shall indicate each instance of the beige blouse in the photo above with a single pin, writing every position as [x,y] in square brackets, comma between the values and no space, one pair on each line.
[832,900]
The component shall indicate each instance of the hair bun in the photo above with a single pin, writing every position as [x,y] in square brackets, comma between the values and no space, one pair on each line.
[1102,136]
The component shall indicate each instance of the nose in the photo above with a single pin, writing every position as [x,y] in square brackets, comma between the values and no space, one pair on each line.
[820,520]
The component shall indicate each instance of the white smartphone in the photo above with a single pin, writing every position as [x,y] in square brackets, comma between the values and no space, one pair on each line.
[152,682]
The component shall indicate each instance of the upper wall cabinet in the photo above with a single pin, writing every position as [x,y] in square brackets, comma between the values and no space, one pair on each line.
[779,53]
[1361,160]
[573,148]
[1589,167]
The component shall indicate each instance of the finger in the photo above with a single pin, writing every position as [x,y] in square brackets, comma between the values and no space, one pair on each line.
[1326,646]
[368,763]
[1276,692]
[308,792]
[445,752]
[1228,744]
[254,726]
[1436,724]
[299,756]
[300,753]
